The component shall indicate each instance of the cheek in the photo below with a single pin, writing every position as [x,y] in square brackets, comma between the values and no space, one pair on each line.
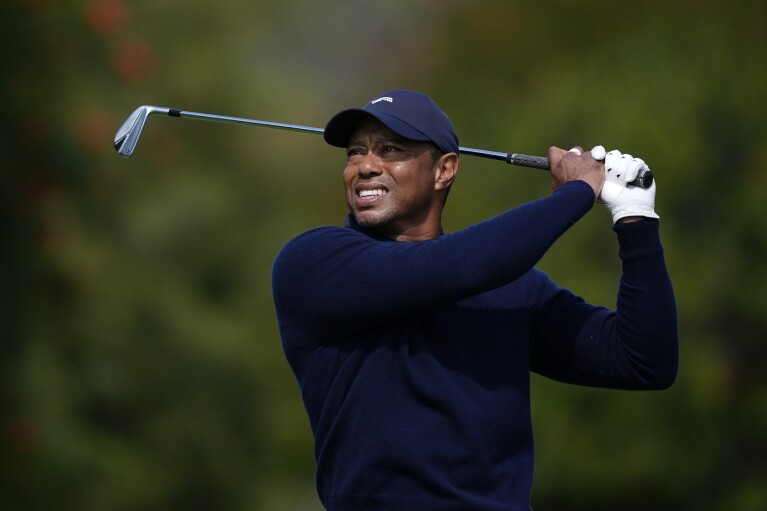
[346,176]
[420,183]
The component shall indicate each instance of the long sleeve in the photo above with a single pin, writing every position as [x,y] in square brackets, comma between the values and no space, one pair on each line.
[634,347]
[332,279]
[414,359]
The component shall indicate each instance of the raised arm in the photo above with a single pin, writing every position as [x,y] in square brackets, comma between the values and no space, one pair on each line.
[636,346]
[332,280]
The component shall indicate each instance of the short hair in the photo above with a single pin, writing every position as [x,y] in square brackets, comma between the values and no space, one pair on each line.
[436,153]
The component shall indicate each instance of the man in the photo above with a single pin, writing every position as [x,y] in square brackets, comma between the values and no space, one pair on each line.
[413,348]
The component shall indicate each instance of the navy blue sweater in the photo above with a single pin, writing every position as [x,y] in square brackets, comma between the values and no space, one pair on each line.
[413,358]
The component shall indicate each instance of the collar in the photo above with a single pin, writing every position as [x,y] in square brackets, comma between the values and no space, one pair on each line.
[351,223]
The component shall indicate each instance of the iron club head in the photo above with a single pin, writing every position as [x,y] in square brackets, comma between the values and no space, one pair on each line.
[128,134]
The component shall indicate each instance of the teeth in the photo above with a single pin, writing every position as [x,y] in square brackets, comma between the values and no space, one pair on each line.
[371,193]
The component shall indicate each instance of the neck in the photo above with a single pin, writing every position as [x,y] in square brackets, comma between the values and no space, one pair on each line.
[422,227]
[421,231]
[417,235]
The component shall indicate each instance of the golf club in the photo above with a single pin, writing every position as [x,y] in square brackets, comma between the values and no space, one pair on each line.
[128,135]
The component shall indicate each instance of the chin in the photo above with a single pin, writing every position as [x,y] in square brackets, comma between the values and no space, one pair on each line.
[373,220]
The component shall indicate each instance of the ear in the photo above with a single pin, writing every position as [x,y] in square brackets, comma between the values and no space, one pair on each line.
[445,170]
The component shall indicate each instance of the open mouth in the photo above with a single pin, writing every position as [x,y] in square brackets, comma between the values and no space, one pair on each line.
[378,192]
[369,195]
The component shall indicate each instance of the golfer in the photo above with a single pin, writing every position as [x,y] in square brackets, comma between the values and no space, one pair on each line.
[413,347]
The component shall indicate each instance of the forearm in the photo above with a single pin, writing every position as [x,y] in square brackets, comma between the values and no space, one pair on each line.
[635,346]
[646,319]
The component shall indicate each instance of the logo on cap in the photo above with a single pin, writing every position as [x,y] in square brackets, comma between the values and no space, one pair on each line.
[386,98]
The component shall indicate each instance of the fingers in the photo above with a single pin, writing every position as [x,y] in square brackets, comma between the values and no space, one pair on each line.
[598,153]
[633,169]
[619,168]
[622,168]
[555,154]
[612,166]
[575,164]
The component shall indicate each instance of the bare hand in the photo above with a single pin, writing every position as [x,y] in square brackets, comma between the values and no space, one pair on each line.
[570,166]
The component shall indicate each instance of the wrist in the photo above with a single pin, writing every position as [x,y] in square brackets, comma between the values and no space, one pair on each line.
[631,211]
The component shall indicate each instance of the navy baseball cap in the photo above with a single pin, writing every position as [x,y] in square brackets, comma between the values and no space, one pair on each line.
[409,114]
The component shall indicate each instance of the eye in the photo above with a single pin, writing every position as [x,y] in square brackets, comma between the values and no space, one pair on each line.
[353,151]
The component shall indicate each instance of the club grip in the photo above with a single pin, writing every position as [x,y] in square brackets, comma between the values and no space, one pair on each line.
[644,178]
[525,160]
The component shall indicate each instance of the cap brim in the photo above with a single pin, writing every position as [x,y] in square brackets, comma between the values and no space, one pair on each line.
[342,125]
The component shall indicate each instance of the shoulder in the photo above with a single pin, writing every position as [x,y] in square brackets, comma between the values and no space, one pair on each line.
[316,247]
[313,235]
[319,238]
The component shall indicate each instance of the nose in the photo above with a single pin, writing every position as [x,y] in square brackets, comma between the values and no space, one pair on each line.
[370,165]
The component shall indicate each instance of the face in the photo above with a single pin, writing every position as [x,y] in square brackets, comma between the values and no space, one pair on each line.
[391,183]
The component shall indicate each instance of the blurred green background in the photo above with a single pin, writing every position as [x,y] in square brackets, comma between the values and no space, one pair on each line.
[141,365]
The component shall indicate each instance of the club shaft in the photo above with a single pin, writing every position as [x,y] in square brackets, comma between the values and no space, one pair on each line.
[514,159]
[240,120]
[129,133]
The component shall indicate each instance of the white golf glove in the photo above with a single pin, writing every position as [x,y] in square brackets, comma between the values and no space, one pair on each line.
[622,200]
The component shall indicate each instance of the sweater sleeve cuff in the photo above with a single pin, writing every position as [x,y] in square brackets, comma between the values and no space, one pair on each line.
[639,239]
[580,191]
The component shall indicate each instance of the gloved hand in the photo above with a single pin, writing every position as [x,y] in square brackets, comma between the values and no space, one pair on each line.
[622,200]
